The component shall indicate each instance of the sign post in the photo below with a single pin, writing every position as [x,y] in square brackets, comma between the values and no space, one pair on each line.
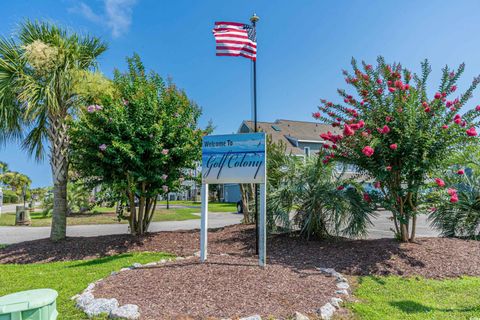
[234,158]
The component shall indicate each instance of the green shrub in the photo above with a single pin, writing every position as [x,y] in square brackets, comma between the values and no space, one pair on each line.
[10,196]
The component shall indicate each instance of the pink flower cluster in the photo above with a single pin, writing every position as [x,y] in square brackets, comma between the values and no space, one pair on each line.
[453,195]
[331,137]
[94,107]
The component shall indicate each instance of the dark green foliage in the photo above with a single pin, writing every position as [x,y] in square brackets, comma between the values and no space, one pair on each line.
[462,218]
[138,142]
[320,201]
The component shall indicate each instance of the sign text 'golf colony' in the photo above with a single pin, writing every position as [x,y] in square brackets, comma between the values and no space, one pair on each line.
[234,158]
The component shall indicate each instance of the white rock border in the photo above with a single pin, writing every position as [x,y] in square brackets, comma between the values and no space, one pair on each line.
[86,302]
[94,307]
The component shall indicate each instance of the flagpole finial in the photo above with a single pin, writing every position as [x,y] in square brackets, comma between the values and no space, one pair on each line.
[254,19]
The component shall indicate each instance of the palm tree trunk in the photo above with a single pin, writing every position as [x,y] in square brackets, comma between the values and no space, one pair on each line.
[59,165]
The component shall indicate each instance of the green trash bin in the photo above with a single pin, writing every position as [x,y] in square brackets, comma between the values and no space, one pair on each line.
[37,304]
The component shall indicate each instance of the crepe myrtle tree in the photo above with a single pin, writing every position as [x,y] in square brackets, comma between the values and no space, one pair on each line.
[138,142]
[392,131]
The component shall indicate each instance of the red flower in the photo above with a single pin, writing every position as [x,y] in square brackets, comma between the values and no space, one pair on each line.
[391,89]
[453,88]
[438,95]
[461,171]
[348,131]
[406,87]
[368,67]
[379,81]
[457,119]
[364,134]
[388,168]
[340,188]
[454,198]
[393,146]
[377,184]
[427,109]
[316,115]
[379,91]
[477,108]
[452,191]
[367,197]
[368,151]
[440,182]
[385,129]
[471,132]
[444,126]
[388,118]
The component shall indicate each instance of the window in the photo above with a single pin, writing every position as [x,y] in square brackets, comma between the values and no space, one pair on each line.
[307,151]
[276,128]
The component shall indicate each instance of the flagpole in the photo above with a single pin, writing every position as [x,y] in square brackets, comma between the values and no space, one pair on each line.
[254,19]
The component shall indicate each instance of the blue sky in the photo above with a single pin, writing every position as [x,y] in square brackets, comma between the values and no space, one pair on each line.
[302,48]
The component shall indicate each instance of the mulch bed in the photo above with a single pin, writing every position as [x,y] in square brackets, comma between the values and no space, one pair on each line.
[224,287]
[429,257]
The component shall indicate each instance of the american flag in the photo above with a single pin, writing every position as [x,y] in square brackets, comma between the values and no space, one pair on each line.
[235,39]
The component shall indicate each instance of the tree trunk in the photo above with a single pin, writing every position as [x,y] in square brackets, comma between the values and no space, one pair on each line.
[404,232]
[246,193]
[414,227]
[59,165]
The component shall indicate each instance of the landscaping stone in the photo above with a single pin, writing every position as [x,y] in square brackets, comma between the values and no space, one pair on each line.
[125,269]
[336,302]
[326,312]
[137,265]
[84,299]
[343,291]
[90,287]
[100,306]
[128,311]
[255,317]
[150,264]
[343,285]
[299,316]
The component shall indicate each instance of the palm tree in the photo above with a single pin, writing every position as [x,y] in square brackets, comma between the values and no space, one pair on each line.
[40,69]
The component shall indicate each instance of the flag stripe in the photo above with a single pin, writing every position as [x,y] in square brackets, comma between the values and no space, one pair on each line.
[235,42]
[219,48]
[235,39]
[238,24]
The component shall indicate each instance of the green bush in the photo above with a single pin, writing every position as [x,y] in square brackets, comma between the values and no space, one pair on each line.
[455,211]
[10,196]
[324,203]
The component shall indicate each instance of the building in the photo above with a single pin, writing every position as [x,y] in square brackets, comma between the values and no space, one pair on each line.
[301,139]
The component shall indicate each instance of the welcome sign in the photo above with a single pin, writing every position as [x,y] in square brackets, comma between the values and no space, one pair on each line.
[234,158]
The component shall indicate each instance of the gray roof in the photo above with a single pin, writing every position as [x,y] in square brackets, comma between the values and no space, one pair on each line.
[290,132]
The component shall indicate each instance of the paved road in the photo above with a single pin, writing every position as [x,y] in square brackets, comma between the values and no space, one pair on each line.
[10,235]
[382,225]
[380,229]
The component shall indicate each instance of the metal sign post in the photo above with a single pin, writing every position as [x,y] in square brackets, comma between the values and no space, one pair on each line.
[234,158]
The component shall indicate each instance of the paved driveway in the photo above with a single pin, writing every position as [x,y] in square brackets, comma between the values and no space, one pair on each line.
[10,235]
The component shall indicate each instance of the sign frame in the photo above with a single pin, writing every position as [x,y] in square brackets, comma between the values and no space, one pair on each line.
[228,154]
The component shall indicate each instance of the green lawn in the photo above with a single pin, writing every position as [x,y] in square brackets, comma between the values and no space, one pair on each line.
[68,278]
[417,298]
[212,206]
[105,216]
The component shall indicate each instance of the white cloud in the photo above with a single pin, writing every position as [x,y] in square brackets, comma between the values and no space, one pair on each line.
[117,15]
